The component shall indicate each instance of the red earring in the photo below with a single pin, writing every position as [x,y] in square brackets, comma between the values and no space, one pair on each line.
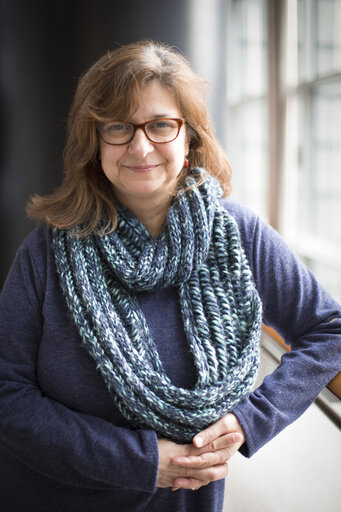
[186,163]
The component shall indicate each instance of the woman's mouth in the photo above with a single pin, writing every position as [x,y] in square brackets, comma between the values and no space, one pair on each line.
[142,168]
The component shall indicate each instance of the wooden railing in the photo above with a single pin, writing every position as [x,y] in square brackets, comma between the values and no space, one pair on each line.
[334,385]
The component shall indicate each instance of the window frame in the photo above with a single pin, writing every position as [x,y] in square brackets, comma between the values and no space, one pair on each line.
[285,88]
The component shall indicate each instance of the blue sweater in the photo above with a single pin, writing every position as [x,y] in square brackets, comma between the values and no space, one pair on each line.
[63,444]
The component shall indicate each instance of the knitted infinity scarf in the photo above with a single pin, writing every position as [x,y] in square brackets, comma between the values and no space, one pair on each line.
[200,253]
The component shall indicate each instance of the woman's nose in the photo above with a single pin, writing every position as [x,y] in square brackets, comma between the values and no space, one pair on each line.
[140,145]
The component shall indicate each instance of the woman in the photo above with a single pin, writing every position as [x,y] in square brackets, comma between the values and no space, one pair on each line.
[130,319]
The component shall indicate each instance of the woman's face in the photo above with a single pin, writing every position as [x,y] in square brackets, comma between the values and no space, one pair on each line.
[141,169]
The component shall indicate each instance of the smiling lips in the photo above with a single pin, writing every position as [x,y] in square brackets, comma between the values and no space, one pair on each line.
[142,168]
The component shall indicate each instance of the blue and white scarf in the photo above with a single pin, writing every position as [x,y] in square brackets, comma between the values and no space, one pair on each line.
[200,253]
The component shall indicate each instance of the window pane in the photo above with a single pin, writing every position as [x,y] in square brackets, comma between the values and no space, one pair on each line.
[328,35]
[247,73]
[302,41]
[319,37]
[247,149]
[247,89]
[324,182]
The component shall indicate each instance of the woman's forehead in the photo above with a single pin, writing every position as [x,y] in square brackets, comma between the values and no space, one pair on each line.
[155,98]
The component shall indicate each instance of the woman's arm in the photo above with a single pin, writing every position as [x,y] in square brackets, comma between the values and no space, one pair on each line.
[305,316]
[62,444]
[309,320]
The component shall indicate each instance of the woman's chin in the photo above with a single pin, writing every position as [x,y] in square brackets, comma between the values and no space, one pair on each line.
[151,188]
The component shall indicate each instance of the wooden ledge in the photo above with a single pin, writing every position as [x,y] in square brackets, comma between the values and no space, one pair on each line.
[334,385]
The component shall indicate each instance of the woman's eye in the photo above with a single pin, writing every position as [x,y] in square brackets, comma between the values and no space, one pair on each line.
[159,125]
[116,127]
[162,124]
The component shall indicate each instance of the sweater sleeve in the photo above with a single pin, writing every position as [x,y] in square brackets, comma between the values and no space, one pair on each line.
[62,444]
[308,319]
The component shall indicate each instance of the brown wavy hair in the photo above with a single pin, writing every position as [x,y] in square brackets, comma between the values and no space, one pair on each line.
[110,90]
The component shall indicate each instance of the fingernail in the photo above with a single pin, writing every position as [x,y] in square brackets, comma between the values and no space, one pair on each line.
[199,441]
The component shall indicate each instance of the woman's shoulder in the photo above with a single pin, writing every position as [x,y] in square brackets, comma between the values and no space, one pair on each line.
[32,266]
[260,240]
[239,212]
[247,221]
[35,252]
[38,242]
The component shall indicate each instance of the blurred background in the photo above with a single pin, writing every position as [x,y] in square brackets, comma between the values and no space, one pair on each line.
[275,98]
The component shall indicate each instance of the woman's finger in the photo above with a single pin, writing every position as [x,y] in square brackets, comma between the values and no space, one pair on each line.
[208,459]
[227,424]
[188,483]
[209,434]
[225,441]
[195,478]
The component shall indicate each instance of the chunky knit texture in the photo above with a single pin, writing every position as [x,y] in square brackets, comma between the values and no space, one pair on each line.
[200,253]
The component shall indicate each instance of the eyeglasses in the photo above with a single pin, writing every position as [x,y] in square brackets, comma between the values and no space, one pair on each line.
[158,131]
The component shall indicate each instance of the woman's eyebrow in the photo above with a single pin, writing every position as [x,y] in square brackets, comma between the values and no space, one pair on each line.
[158,116]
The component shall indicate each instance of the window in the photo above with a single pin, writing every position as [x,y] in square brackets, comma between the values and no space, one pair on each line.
[311,216]
[247,87]
[284,112]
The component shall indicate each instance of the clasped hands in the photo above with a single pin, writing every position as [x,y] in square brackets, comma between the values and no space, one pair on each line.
[190,466]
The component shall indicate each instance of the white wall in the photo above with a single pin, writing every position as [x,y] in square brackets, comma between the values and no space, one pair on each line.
[298,471]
